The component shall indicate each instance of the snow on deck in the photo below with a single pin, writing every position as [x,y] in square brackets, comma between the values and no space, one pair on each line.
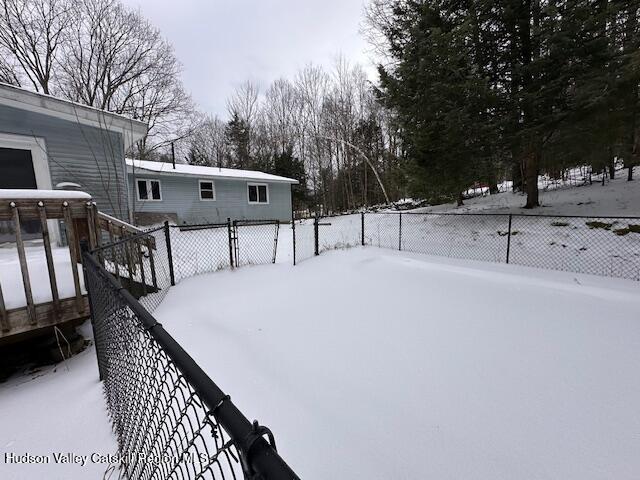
[369,363]
[10,193]
[11,276]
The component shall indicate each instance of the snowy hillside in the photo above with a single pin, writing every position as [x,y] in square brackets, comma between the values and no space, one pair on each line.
[617,197]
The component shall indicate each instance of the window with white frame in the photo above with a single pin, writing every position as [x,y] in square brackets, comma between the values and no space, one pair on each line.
[149,190]
[258,192]
[207,190]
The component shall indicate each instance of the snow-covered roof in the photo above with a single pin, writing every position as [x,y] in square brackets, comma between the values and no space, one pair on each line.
[17,97]
[15,194]
[182,169]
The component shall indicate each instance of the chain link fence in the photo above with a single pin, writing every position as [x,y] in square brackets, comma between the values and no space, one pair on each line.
[606,246]
[171,420]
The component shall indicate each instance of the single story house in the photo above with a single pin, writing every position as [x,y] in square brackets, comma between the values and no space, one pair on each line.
[195,194]
[48,143]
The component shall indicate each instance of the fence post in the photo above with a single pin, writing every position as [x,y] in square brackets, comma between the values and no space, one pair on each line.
[400,233]
[509,238]
[362,226]
[230,242]
[315,235]
[293,227]
[167,237]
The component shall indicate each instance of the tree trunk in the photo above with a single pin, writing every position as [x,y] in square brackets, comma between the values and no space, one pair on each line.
[516,177]
[612,169]
[531,174]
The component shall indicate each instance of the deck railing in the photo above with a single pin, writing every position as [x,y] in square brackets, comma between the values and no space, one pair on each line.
[66,217]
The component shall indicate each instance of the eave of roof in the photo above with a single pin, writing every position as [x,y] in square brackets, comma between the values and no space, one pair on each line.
[207,172]
[16,97]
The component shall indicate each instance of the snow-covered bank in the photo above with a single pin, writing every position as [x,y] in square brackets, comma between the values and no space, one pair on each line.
[617,197]
[369,363]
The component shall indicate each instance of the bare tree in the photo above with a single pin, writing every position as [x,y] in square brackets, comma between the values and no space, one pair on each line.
[244,102]
[208,144]
[31,32]
[9,71]
[116,61]
[280,111]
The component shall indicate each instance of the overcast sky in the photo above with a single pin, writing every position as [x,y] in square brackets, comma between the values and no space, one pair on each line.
[222,43]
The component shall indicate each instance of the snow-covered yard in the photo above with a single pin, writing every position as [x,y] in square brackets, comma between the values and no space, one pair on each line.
[369,363]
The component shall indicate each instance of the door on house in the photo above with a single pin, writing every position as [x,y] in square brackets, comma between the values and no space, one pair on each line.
[16,171]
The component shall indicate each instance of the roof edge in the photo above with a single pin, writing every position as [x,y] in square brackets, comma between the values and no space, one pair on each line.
[133,169]
[18,97]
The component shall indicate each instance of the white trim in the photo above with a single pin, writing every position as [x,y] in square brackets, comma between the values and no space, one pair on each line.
[38,148]
[149,189]
[213,189]
[256,184]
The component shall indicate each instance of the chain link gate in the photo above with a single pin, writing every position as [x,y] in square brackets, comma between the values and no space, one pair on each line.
[254,242]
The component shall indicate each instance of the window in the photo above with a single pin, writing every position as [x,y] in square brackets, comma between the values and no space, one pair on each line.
[207,190]
[258,192]
[149,190]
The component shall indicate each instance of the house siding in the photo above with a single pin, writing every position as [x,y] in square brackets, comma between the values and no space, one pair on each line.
[89,156]
[181,198]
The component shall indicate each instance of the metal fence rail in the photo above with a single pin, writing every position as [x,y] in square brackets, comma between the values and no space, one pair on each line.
[606,246]
[171,420]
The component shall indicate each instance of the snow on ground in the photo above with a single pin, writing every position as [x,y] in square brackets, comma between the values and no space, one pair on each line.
[11,276]
[57,409]
[369,363]
[616,198]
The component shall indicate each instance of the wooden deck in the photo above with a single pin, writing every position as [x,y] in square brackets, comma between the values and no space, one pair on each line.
[80,221]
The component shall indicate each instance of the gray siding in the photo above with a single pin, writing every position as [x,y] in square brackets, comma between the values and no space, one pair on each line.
[91,157]
[181,196]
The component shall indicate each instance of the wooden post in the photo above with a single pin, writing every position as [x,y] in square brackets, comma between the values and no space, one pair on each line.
[91,226]
[97,230]
[74,255]
[31,309]
[114,250]
[46,240]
